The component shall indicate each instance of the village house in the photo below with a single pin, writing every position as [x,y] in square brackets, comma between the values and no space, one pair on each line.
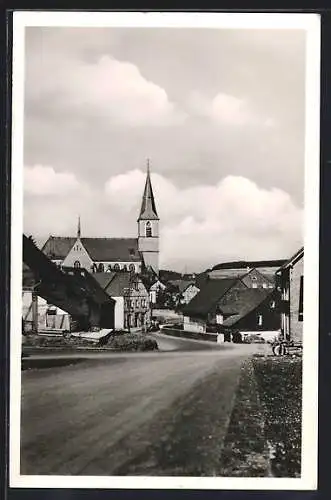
[252,278]
[231,303]
[183,290]
[132,308]
[290,284]
[98,255]
[53,298]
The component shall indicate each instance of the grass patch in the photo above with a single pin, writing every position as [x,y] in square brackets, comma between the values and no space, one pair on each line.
[245,452]
[280,387]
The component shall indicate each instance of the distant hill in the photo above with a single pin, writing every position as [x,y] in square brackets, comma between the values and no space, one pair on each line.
[243,264]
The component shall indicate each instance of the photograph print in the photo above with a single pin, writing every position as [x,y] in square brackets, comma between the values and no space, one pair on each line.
[164,275]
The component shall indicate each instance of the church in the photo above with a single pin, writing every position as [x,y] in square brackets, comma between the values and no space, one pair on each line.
[113,254]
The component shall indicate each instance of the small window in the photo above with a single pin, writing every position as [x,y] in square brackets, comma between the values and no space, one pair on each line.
[109,268]
[116,267]
[125,267]
[137,303]
[260,320]
[272,304]
[148,230]
[264,285]
[101,268]
[132,268]
[254,285]
[77,264]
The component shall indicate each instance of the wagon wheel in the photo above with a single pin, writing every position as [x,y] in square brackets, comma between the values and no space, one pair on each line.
[279,350]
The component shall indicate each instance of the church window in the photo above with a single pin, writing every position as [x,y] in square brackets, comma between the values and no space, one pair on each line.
[148,230]
[132,268]
[116,267]
[125,267]
[109,268]
[76,264]
[101,268]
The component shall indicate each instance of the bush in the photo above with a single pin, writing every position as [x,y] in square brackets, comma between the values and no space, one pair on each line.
[132,342]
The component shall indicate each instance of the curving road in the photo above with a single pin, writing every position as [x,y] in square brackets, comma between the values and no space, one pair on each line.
[158,413]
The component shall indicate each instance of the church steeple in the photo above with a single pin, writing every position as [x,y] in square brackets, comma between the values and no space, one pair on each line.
[148,208]
[148,227]
[78,228]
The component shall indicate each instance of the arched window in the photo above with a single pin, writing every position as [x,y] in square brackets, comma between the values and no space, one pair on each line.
[109,268]
[76,264]
[116,267]
[132,268]
[148,230]
[94,268]
[101,268]
[125,267]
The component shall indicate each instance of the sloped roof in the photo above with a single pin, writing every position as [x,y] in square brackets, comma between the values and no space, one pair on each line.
[290,262]
[148,207]
[104,278]
[246,301]
[208,296]
[119,284]
[99,249]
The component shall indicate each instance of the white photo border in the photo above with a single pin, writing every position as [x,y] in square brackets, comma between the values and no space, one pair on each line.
[311,24]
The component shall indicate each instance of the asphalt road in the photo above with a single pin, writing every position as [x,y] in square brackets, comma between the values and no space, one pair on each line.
[158,413]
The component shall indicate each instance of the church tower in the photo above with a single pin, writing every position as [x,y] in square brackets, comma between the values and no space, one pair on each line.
[148,227]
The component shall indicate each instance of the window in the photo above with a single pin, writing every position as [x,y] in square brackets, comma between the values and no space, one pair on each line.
[109,268]
[301,300]
[77,264]
[132,268]
[254,285]
[148,230]
[264,285]
[101,268]
[125,267]
[272,304]
[137,303]
[116,267]
[260,320]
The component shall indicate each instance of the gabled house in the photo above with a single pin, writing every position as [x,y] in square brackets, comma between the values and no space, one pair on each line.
[231,303]
[132,308]
[289,279]
[203,309]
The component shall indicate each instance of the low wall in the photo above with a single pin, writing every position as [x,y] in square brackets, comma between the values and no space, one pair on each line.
[211,337]
[167,315]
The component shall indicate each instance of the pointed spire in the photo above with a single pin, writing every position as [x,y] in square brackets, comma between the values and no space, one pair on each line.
[148,207]
[78,227]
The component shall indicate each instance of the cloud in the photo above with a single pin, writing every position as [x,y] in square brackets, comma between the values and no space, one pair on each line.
[40,180]
[106,88]
[227,110]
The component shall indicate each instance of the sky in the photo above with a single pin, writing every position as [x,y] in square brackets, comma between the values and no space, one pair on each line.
[219,113]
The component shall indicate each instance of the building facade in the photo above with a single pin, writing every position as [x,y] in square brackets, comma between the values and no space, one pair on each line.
[290,283]
[98,255]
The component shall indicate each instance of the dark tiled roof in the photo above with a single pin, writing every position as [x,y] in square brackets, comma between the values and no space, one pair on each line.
[208,296]
[119,285]
[58,247]
[246,301]
[104,279]
[99,249]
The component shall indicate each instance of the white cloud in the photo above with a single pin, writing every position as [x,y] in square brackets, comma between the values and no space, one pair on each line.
[40,180]
[108,88]
[227,110]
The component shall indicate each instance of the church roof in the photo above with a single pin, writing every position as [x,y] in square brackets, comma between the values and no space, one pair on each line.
[148,207]
[99,249]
